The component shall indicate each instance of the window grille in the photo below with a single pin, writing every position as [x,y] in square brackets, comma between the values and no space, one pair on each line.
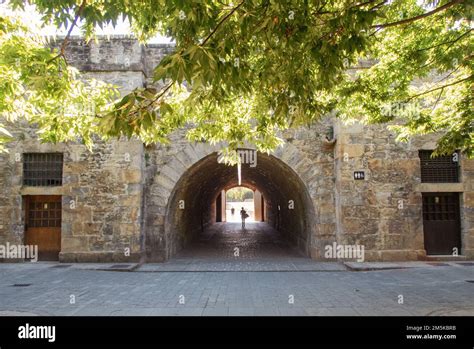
[439,169]
[43,169]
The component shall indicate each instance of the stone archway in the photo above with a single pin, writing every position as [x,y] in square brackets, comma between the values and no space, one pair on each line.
[181,198]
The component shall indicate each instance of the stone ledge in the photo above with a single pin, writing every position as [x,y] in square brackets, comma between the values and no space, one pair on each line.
[440,258]
[59,190]
[317,254]
[122,267]
[440,187]
[372,266]
[394,255]
[98,257]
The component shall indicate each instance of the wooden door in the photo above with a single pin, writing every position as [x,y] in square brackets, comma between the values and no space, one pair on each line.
[441,223]
[43,225]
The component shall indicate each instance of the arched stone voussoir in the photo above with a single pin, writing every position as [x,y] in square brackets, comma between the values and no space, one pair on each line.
[170,172]
[202,149]
[164,181]
[175,166]
[304,169]
[289,154]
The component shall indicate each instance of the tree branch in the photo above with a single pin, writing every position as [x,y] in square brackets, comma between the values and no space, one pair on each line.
[65,42]
[439,88]
[445,42]
[438,99]
[221,22]
[413,19]
[447,76]
[206,39]
[154,100]
[378,5]
[319,11]
[361,4]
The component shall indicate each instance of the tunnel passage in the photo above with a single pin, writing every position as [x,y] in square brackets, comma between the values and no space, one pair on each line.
[192,206]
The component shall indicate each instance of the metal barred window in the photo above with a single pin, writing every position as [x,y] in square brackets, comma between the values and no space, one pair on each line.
[439,169]
[43,169]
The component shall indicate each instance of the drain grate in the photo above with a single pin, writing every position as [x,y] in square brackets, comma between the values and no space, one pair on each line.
[470,281]
[466,264]
[61,266]
[21,285]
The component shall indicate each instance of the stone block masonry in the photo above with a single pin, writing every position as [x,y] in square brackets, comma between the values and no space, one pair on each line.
[120,201]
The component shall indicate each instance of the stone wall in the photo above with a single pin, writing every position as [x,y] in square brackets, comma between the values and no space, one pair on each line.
[122,197]
[384,211]
[101,198]
[102,189]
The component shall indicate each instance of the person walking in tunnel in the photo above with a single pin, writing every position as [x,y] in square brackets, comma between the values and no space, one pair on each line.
[232,210]
[243,215]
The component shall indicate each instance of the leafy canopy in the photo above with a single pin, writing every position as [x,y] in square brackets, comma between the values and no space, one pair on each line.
[244,71]
[38,87]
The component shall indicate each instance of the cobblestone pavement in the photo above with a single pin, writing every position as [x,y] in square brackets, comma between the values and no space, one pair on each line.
[227,247]
[266,277]
[226,240]
[48,288]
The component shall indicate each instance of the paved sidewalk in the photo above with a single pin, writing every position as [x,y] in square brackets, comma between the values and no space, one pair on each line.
[236,265]
[251,265]
[47,289]
[368,266]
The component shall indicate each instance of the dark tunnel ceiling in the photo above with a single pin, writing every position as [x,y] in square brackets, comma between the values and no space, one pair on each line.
[207,178]
[201,184]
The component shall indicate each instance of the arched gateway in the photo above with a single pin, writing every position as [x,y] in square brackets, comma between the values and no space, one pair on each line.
[182,197]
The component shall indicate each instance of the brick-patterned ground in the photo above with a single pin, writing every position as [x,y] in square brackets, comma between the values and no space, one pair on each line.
[223,240]
[211,280]
[434,290]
